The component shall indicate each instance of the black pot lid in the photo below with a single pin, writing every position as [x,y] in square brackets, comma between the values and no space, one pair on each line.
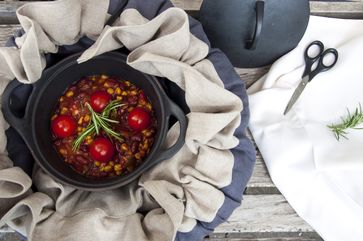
[278,26]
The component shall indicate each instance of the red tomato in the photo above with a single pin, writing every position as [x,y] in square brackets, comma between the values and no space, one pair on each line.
[63,126]
[99,100]
[139,119]
[101,149]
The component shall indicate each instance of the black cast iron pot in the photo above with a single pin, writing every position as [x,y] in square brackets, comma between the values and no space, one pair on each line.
[34,126]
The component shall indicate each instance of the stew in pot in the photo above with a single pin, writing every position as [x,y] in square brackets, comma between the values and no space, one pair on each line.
[103,126]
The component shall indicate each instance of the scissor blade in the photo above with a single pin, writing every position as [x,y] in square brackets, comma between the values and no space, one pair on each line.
[298,91]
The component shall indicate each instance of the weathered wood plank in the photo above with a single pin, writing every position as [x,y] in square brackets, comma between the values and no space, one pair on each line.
[344,9]
[317,7]
[264,216]
[6,31]
[7,12]
[353,10]
[260,239]
[252,237]
[16,237]
[249,76]
[267,215]
[274,237]
[10,237]
[260,182]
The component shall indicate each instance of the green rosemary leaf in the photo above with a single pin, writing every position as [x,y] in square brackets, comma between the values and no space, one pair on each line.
[107,129]
[95,123]
[109,120]
[352,121]
[112,105]
[82,136]
[98,122]
[116,106]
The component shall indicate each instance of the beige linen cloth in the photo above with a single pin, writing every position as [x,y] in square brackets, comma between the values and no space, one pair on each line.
[173,194]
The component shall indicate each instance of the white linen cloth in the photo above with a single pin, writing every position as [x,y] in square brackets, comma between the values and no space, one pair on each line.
[319,176]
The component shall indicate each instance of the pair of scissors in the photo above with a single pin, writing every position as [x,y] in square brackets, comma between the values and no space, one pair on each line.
[309,72]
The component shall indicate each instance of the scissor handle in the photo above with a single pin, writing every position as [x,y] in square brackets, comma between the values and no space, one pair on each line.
[318,57]
[310,60]
[323,67]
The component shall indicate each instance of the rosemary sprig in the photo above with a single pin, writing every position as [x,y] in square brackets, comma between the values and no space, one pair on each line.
[77,143]
[111,106]
[99,122]
[352,121]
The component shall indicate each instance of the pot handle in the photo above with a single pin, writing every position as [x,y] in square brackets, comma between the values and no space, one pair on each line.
[18,123]
[259,8]
[174,110]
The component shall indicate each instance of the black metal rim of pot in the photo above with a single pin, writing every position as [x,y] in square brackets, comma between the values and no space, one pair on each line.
[34,126]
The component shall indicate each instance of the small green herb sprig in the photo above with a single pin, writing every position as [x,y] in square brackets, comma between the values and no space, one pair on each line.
[99,121]
[352,121]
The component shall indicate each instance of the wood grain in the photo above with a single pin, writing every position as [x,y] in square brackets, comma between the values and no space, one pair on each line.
[272,238]
[353,10]
[265,213]
[252,237]
[344,9]
[10,237]
[249,76]
[262,217]
[6,31]
[260,182]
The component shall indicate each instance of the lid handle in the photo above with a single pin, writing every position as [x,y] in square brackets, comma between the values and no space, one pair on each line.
[259,8]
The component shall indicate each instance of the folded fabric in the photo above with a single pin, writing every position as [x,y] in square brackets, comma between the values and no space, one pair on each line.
[319,176]
[183,198]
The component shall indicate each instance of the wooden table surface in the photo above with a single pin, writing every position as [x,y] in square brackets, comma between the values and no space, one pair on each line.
[265,213]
